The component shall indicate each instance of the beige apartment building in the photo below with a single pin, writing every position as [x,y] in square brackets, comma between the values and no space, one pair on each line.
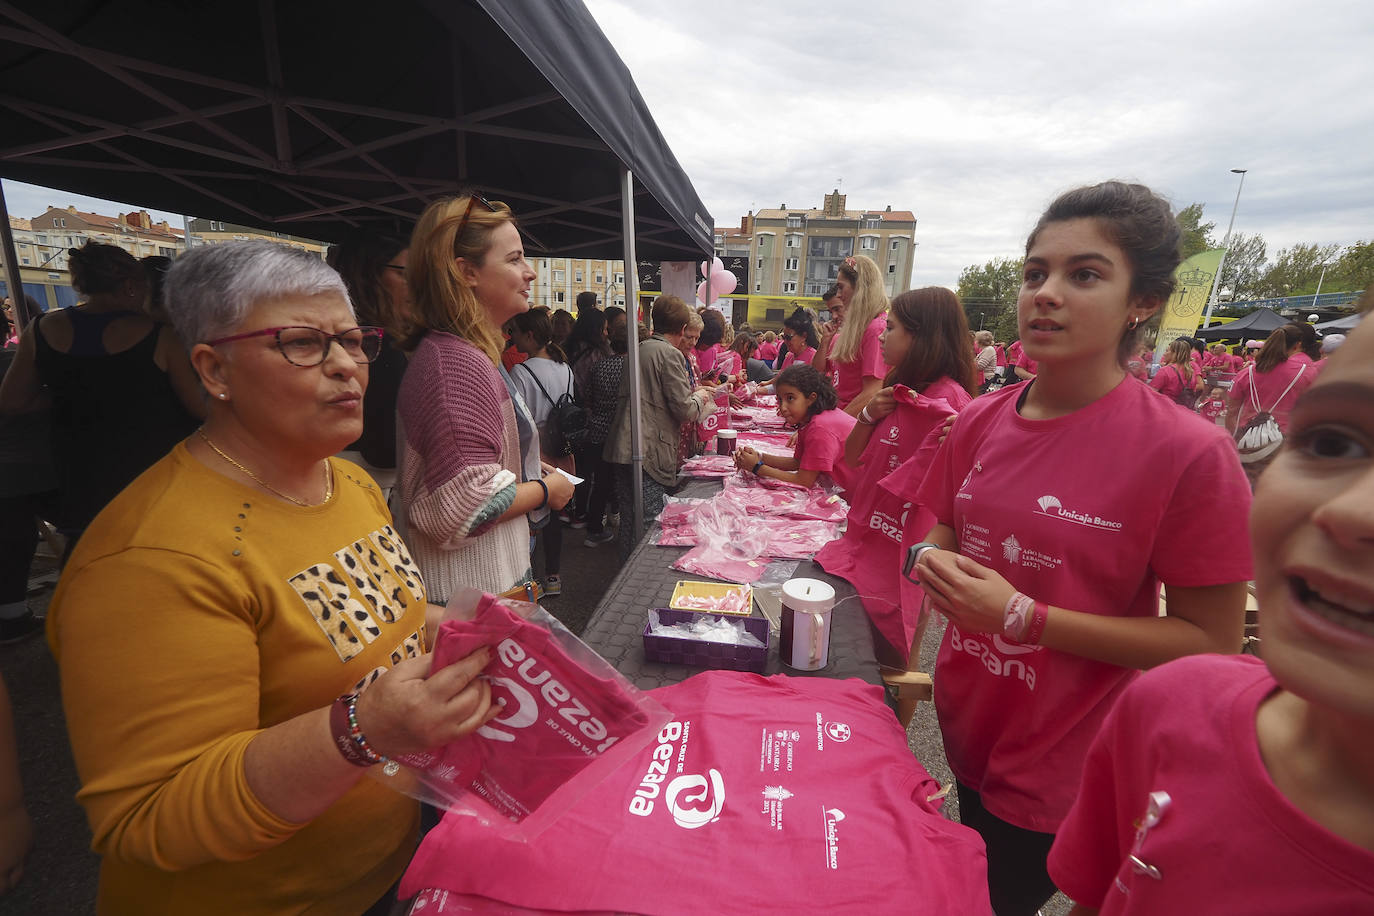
[797,251]
[217,232]
[41,246]
[559,280]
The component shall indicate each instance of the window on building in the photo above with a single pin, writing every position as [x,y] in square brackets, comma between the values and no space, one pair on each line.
[558,276]
[894,245]
[760,263]
[620,278]
[892,268]
[794,241]
[599,280]
[559,296]
[773,316]
[25,261]
[790,264]
[789,287]
[872,223]
[794,222]
[868,243]
[620,301]
[577,276]
[758,287]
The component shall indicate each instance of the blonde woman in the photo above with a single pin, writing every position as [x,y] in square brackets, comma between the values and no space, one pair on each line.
[850,352]
[464,486]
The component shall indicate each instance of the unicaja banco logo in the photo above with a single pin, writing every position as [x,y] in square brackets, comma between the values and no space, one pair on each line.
[1051,506]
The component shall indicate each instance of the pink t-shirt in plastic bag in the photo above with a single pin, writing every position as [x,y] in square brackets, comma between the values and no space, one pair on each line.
[558,718]
[1088,511]
[761,795]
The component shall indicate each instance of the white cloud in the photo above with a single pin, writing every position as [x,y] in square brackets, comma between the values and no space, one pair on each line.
[976,114]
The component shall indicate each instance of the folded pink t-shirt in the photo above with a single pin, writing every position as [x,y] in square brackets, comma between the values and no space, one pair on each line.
[761,795]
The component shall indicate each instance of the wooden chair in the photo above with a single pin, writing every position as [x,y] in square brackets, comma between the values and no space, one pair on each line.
[911,685]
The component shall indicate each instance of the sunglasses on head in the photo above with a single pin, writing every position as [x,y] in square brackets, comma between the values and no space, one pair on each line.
[462,223]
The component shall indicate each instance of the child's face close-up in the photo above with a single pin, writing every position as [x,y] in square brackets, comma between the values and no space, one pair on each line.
[793,405]
[1312,524]
[896,340]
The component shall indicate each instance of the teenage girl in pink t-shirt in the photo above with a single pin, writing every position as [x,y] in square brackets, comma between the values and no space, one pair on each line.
[925,344]
[1062,504]
[1260,773]
[806,400]
[850,354]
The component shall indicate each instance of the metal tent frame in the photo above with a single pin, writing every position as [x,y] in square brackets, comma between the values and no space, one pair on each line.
[317,119]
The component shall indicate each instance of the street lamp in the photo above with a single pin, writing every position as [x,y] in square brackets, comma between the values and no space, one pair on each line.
[1225,247]
[1322,278]
[606,296]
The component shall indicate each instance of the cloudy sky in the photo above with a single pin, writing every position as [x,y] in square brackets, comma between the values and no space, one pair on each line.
[974,114]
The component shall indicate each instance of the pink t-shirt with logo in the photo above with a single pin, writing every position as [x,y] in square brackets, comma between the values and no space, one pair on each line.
[868,556]
[820,445]
[805,359]
[848,378]
[1088,512]
[558,719]
[762,795]
[1227,841]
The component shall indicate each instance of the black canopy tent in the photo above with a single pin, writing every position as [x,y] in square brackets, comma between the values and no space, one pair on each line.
[1259,323]
[318,118]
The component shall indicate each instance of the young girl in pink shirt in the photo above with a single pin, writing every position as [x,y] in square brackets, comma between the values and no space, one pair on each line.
[1231,784]
[806,400]
[1062,504]
[925,344]
[850,354]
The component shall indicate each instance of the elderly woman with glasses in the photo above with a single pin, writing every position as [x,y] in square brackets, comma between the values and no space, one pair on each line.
[241,632]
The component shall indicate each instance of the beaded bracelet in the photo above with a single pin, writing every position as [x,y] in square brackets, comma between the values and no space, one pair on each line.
[348,737]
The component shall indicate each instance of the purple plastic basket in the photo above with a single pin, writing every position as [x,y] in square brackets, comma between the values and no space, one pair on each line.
[672,650]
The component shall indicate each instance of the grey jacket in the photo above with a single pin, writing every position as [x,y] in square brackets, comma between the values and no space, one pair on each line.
[667,401]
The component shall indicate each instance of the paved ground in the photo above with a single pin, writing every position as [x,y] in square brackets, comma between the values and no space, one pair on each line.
[60,877]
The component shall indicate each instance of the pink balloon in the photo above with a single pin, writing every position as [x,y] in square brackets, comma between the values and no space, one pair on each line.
[723,282]
[705,269]
[702,294]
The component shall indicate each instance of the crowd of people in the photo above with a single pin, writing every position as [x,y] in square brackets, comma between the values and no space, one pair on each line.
[276,471]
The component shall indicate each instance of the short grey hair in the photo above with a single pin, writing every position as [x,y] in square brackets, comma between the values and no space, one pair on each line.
[210,290]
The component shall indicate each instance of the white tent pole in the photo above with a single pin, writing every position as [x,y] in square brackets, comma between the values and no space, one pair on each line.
[627,216]
[15,281]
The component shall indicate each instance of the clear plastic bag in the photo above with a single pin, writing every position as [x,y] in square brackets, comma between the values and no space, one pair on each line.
[724,527]
[569,721]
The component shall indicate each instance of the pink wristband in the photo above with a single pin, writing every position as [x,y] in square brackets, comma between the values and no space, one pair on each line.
[1015,620]
[1039,616]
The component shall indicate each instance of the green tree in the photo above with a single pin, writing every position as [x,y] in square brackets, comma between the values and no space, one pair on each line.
[988,292]
[1197,235]
[1296,270]
[1354,270]
[1245,266]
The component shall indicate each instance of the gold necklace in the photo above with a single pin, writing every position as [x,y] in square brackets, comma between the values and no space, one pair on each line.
[328,476]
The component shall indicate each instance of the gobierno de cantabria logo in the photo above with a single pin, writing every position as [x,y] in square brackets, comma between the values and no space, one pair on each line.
[1051,506]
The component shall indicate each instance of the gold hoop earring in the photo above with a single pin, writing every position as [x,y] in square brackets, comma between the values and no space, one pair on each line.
[1135,323]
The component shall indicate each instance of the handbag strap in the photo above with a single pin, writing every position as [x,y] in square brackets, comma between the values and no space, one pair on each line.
[1301,370]
[1254,393]
[542,389]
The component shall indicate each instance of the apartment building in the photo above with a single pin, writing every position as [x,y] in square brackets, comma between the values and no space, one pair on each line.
[797,251]
[559,280]
[217,232]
